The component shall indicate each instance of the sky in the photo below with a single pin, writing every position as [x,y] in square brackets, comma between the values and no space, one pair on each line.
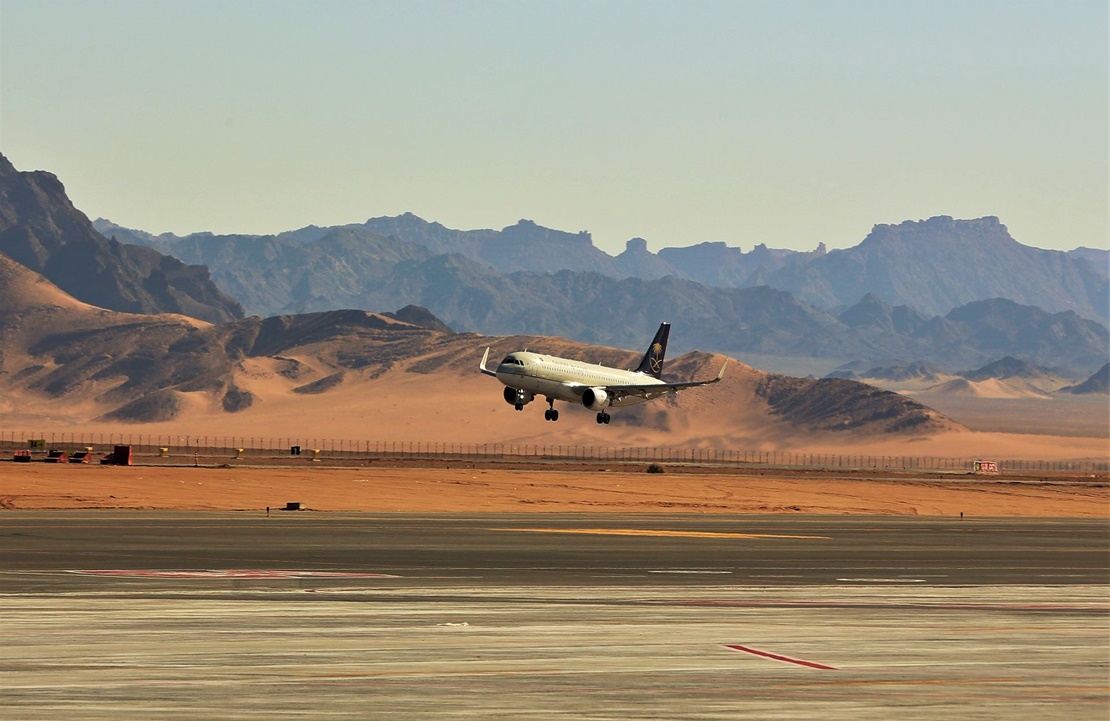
[784,122]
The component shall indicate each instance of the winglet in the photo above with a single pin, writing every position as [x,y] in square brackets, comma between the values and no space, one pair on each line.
[722,373]
[482,365]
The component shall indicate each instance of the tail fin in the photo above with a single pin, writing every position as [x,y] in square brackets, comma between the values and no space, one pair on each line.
[652,364]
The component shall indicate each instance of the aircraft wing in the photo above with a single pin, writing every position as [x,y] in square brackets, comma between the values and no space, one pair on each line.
[653,390]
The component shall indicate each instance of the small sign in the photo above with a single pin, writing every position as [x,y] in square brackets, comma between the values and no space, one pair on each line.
[986,467]
[36,444]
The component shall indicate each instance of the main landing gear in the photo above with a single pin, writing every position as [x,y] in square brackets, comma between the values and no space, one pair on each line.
[603,417]
[551,414]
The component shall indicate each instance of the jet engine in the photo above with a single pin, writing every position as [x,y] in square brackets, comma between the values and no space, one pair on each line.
[516,397]
[596,399]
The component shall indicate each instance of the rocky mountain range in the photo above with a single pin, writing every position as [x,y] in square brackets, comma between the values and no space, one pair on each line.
[40,228]
[1006,393]
[1098,383]
[921,374]
[938,264]
[1006,368]
[353,268]
[932,265]
[369,267]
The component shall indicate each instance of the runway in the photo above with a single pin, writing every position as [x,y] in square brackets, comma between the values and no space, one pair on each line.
[307,615]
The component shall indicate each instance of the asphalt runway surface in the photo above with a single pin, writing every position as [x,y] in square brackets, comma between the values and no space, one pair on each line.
[140,615]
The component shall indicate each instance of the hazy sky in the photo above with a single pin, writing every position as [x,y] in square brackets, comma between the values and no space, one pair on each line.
[773,121]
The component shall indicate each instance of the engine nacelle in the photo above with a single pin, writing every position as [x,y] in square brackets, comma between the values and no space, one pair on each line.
[516,397]
[596,399]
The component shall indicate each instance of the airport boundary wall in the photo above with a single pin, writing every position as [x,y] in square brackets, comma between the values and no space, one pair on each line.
[188,449]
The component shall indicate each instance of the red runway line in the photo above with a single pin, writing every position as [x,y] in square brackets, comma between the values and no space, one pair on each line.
[225,574]
[777,657]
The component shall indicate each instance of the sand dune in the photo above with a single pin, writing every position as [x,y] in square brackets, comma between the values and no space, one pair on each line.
[989,388]
[400,406]
[351,375]
[33,304]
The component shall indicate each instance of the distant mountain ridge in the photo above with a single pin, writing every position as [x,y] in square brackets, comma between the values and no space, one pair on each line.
[931,265]
[941,263]
[351,267]
[1099,258]
[1006,368]
[918,372]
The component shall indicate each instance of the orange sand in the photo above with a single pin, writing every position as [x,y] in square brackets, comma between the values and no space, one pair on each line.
[480,490]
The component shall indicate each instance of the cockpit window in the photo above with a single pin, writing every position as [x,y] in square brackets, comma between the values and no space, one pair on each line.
[512,360]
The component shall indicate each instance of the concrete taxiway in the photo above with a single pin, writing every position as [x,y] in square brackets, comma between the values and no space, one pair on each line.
[305,615]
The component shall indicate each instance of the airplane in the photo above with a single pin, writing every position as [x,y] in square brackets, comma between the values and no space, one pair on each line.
[595,386]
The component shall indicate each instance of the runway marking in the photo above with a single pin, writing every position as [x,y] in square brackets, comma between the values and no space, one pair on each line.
[882,580]
[925,603]
[652,532]
[219,574]
[922,681]
[778,657]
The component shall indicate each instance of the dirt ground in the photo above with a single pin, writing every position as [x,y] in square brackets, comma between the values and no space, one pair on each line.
[564,490]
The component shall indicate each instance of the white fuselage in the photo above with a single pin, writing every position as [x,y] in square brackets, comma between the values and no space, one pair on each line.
[559,378]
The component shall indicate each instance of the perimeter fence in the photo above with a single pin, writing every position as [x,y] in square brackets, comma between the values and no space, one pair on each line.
[186,448]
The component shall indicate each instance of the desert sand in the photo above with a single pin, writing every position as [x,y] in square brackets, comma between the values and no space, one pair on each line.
[465,407]
[68,368]
[566,490]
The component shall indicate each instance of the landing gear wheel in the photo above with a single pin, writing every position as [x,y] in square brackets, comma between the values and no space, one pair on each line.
[603,418]
[551,414]
[519,406]
[554,414]
[607,418]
